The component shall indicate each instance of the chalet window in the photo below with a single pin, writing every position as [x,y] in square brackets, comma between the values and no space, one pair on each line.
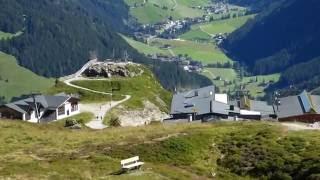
[74,107]
[61,110]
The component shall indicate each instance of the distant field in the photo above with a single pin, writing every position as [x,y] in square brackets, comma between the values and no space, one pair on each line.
[225,26]
[227,74]
[203,32]
[16,80]
[4,35]
[204,52]
[158,10]
[144,48]
[195,34]
[253,84]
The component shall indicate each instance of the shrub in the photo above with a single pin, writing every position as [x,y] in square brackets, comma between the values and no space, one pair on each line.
[71,122]
[114,121]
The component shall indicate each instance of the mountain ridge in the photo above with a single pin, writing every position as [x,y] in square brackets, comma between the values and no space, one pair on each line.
[278,39]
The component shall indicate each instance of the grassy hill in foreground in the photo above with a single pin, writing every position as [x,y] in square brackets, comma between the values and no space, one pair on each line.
[198,151]
[16,80]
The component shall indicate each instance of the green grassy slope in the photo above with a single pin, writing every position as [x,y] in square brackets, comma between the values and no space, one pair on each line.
[85,96]
[16,80]
[141,88]
[185,151]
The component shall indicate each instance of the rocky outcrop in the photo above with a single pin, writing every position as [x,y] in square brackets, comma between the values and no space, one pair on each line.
[112,69]
[149,114]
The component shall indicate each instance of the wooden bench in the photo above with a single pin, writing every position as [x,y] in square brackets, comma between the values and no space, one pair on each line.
[131,163]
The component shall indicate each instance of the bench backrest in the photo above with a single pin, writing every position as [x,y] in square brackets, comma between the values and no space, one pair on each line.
[130,160]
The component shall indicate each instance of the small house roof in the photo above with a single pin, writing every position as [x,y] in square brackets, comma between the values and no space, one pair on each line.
[47,102]
[200,101]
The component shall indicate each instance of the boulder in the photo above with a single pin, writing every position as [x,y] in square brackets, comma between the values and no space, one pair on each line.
[111,69]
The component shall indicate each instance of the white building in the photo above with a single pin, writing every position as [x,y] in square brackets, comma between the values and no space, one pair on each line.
[49,108]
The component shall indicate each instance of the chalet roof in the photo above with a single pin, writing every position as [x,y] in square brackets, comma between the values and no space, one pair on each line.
[221,108]
[315,102]
[252,105]
[298,105]
[200,101]
[262,107]
[47,102]
[197,100]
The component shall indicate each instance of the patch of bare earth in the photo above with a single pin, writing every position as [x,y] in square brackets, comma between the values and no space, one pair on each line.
[141,117]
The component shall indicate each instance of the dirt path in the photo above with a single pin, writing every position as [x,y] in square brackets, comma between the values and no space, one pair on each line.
[298,127]
[205,31]
[171,52]
[175,4]
[99,110]
[211,74]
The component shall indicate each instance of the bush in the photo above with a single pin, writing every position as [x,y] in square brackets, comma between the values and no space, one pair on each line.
[114,121]
[71,122]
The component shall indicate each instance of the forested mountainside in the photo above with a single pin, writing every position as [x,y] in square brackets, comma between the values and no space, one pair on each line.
[284,38]
[58,36]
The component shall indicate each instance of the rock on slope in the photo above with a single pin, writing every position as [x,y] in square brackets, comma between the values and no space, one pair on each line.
[112,69]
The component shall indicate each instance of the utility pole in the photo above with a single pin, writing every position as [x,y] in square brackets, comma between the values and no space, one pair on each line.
[276,100]
[36,106]
[113,54]
[126,56]
[114,89]
[111,94]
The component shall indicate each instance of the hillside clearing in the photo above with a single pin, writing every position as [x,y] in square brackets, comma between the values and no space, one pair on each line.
[16,80]
[4,35]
